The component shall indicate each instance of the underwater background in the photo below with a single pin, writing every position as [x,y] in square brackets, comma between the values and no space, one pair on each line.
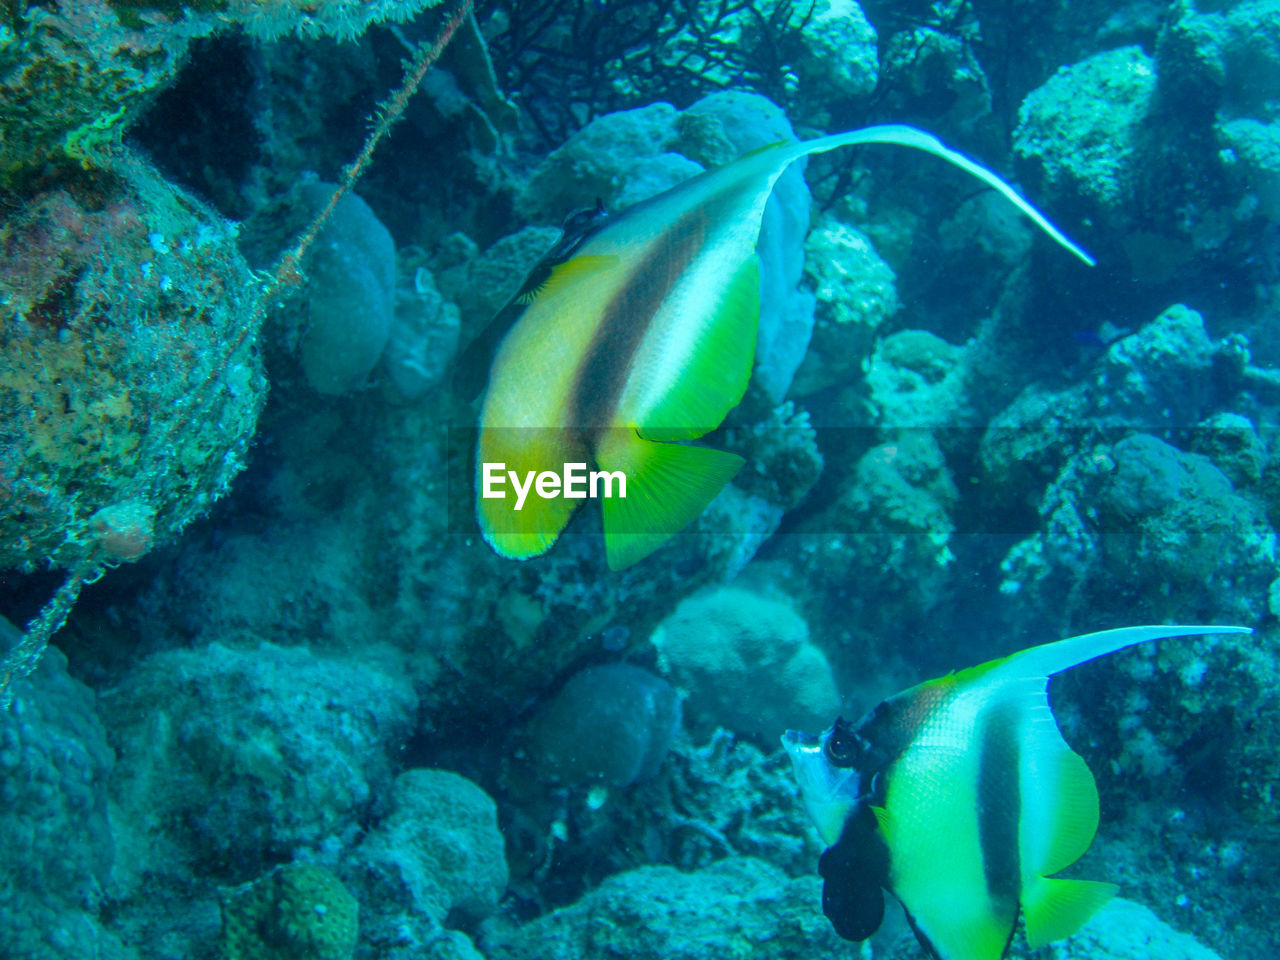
[300,709]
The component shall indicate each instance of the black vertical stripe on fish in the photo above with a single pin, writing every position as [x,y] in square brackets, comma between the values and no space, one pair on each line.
[1000,808]
[626,320]
[855,871]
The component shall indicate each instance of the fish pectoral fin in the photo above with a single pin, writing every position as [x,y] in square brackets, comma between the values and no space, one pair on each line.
[667,486]
[565,275]
[1056,909]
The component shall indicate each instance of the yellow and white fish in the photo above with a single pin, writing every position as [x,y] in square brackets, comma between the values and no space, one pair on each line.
[960,797]
[635,336]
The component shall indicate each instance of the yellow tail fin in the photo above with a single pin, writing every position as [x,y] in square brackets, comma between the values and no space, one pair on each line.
[1056,909]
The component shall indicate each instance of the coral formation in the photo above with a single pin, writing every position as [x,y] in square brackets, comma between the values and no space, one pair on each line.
[54,764]
[746,663]
[340,19]
[351,279]
[1103,132]
[917,379]
[255,752]
[132,386]
[855,295]
[610,724]
[438,852]
[296,912]
[738,907]
[424,335]
[77,73]
[330,690]
[1122,930]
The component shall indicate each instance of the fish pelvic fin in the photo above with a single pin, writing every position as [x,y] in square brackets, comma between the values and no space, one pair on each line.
[905,136]
[1057,909]
[668,485]
[854,872]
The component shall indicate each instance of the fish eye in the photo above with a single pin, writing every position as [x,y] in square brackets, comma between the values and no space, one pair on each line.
[842,746]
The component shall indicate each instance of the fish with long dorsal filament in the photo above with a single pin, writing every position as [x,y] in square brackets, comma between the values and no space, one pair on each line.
[961,798]
[635,336]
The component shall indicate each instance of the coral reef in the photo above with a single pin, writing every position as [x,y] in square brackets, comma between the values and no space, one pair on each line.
[1122,930]
[438,853]
[917,379]
[1105,129]
[1142,519]
[78,73]
[54,765]
[578,63]
[855,294]
[340,19]
[350,294]
[313,714]
[258,753]
[424,335]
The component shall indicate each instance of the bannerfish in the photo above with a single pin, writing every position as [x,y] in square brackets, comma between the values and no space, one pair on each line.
[636,335]
[960,797]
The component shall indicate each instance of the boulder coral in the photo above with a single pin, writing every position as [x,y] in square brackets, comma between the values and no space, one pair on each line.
[736,908]
[297,912]
[745,662]
[132,384]
[610,724]
[438,853]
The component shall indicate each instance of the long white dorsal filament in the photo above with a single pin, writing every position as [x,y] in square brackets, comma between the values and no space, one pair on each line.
[911,137]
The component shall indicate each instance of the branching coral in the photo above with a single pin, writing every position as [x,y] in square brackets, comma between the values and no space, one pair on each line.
[579,59]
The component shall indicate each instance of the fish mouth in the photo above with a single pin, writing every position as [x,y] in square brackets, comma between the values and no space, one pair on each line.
[829,793]
[807,759]
[794,740]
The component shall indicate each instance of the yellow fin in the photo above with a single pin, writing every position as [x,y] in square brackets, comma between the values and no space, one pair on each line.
[1073,814]
[565,275]
[1056,909]
[668,484]
[883,820]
